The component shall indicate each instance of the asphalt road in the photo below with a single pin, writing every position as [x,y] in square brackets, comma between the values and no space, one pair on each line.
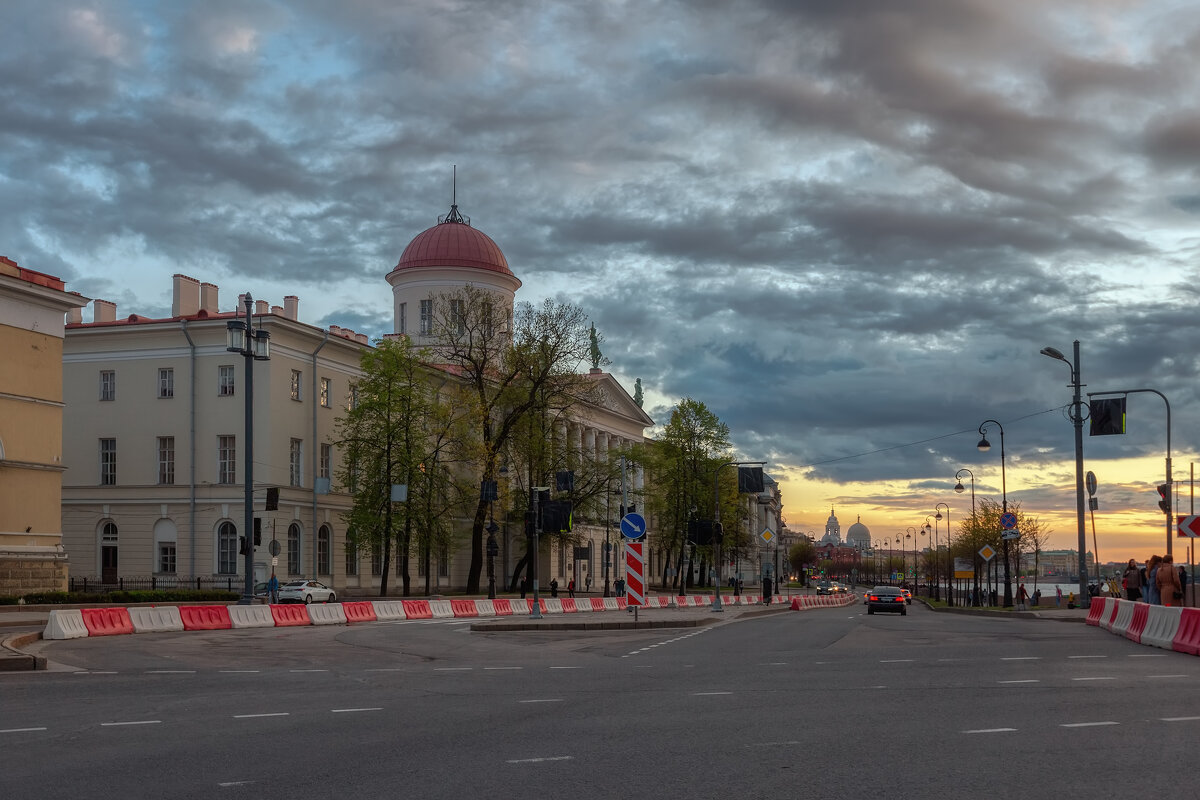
[820,703]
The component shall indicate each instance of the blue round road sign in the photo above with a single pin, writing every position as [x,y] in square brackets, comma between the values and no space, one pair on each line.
[1008,521]
[633,526]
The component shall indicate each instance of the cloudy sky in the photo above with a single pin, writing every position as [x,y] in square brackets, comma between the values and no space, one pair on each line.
[847,227]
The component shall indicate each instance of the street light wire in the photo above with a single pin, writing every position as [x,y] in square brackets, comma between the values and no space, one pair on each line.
[921,441]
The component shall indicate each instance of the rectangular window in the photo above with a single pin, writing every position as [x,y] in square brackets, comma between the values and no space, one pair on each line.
[166,460]
[351,558]
[226,459]
[293,550]
[166,383]
[458,317]
[166,557]
[225,380]
[108,384]
[296,376]
[108,462]
[325,392]
[352,399]
[402,321]
[426,317]
[296,462]
[326,460]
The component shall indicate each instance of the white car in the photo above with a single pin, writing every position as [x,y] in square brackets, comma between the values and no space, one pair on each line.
[306,592]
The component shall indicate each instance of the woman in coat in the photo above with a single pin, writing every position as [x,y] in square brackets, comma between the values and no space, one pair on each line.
[1133,581]
[1151,580]
[1168,582]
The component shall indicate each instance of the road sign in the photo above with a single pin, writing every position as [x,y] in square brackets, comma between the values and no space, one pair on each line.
[1090,480]
[987,552]
[633,526]
[1010,535]
[767,535]
[273,547]
[1188,527]
[635,585]
[1008,520]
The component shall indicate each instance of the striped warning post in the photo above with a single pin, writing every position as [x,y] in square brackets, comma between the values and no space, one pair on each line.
[635,562]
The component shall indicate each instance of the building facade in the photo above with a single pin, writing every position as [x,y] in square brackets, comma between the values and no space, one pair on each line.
[32,310]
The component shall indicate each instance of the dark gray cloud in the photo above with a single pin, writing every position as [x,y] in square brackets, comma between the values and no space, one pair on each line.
[846,227]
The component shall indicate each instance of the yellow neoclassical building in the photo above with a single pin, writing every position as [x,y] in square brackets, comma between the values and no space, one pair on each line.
[33,306]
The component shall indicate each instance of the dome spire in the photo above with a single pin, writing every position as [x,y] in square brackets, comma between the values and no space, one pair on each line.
[454,216]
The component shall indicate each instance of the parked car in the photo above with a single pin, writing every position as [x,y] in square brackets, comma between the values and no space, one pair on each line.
[886,598]
[305,591]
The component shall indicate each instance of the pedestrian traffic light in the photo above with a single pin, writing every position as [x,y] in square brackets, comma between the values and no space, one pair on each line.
[1164,497]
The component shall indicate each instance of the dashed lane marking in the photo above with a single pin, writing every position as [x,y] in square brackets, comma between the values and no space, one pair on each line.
[1179,719]
[538,760]
[21,730]
[708,694]
[547,700]
[257,716]
[170,672]
[992,730]
[1027,680]
[354,710]
[1022,658]
[1098,678]
[1087,656]
[131,722]
[1088,724]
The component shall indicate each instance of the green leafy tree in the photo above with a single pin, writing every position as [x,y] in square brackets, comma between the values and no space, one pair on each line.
[802,554]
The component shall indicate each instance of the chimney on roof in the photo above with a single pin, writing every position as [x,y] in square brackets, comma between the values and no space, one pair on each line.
[335,330]
[261,307]
[104,311]
[277,310]
[75,316]
[291,306]
[208,298]
[185,296]
[361,338]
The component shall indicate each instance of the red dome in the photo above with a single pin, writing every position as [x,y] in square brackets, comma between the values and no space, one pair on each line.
[453,244]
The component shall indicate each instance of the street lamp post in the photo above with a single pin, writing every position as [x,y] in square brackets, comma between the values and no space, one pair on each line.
[253,345]
[984,445]
[958,487]
[936,590]
[914,535]
[1077,421]
[716,603]
[949,558]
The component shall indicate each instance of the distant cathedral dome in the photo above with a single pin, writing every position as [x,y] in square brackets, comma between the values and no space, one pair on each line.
[858,534]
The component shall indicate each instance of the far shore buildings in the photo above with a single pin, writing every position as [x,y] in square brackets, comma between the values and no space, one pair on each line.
[155,431]
[32,308]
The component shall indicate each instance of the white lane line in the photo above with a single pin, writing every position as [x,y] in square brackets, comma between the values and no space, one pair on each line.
[708,694]
[547,700]
[566,668]
[1087,656]
[1027,680]
[354,710]
[257,716]
[992,730]
[308,670]
[1164,719]
[133,722]
[538,760]
[21,730]
[1094,679]
[170,672]
[493,669]
[239,671]
[897,660]
[227,784]
[1166,676]
[1022,658]
[1087,724]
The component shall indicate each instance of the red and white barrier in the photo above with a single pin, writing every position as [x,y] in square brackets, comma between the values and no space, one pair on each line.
[1187,637]
[156,619]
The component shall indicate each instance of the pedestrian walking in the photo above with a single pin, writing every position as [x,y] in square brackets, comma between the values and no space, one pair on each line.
[1058,596]
[554,587]
[1151,582]
[1022,594]
[524,586]
[1132,581]
[1169,590]
[273,589]
[571,588]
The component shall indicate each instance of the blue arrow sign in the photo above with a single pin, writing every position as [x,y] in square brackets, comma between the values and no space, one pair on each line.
[633,526]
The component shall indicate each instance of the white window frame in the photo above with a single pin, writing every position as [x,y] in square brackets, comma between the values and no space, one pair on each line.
[426,317]
[403,318]
[227,549]
[226,381]
[297,380]
[326,461]
[166,383]
[296,463]
[325,392]
[108,462]
[108,384]
[226,459]
[166,460]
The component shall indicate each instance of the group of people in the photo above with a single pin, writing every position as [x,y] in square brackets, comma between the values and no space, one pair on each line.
[1158,582]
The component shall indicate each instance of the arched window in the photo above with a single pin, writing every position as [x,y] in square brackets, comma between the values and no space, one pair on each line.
[351,554]
[324,551]
[227,549]
[108,552]
[294,548]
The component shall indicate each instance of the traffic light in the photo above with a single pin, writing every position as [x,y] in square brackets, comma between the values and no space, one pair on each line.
[242,545]
[258,531]
[1164,497]
[273,498]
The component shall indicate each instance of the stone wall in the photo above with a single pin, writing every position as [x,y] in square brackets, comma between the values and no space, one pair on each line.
[22,574]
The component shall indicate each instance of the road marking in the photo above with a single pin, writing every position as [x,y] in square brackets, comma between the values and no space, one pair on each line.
[21,730]
[547,700]
[453,669]
[1164,719]
[992,730]
[538,760]
[238,671]
[1094,679]
[1087,724]
[1022,658]
[256,716]
[1087,656]
[227,784]
[897,660]
[308,670]
[1027,680]
[353,710]
[708,694]
[133,722]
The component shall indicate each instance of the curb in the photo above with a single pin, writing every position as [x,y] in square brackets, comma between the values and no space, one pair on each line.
[12,660]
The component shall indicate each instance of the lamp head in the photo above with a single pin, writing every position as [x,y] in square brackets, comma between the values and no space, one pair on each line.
[939,515]
[1050,351]
[958,487]
[984,445]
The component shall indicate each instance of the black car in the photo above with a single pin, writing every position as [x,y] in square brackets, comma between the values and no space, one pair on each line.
[886,598]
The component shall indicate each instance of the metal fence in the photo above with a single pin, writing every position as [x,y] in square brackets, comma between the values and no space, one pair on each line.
[229,583]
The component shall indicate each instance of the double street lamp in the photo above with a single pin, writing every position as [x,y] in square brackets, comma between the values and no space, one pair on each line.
[253,345]
[984,445]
